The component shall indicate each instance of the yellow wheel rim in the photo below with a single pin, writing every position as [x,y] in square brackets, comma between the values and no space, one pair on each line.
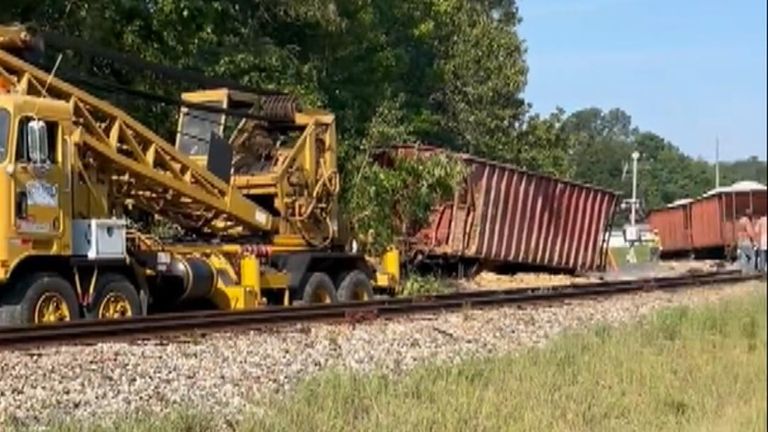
[114,306]
[321,297]
[359,294]
[51,308]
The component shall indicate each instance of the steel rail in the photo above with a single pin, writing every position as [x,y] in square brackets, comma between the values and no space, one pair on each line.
[211,321]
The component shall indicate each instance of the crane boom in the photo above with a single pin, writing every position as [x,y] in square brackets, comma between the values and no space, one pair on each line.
[145,170]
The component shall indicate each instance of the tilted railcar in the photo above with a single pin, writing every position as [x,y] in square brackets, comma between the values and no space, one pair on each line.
[506,217]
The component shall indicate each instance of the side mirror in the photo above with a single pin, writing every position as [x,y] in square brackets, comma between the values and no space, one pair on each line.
[37,142]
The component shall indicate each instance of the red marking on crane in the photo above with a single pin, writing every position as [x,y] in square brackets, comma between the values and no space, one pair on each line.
[259,251]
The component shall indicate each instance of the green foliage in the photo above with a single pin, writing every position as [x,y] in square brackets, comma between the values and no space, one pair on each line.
[667,173]
[417,285]
[542,144]
[602,143]
[372,193]
[749,169]
[483,73]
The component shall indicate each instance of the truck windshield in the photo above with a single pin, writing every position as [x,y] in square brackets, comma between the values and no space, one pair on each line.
[5,122]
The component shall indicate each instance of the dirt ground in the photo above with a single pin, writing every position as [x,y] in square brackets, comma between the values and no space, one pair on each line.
[490,280]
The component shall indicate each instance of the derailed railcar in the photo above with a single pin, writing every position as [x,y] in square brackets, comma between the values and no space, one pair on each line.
[505,217]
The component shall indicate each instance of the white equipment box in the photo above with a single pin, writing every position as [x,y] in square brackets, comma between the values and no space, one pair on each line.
[99,238]
[631,233]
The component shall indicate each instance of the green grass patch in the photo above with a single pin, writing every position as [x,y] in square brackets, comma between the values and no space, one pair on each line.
[683,369]
[417,285]
[642,254]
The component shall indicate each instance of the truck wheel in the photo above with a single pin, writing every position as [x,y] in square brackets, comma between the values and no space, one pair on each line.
[114,297]
[46,299]
[355,286]
[319,289]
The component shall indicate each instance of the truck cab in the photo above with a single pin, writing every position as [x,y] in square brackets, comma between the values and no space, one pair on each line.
[35,182]
[36,189]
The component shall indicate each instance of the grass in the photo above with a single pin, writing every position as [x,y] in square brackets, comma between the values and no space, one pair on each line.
[683,369]
[417,285]
[642,254]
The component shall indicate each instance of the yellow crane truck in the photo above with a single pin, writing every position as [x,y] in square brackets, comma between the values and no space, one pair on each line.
[253,203]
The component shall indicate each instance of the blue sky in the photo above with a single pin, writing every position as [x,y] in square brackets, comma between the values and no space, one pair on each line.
[689,70]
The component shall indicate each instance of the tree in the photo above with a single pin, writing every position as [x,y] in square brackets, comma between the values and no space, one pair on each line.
[601,145]
[668,174]
[541,144]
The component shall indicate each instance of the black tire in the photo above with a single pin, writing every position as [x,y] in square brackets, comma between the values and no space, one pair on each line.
[354,287]
[319,289]
[114,297]
[42,287]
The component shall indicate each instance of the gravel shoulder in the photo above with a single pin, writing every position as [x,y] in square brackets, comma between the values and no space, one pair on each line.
[229,373]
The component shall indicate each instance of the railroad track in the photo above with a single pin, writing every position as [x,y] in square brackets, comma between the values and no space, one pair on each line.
[212,321]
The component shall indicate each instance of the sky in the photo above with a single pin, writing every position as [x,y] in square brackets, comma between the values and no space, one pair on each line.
[692,71]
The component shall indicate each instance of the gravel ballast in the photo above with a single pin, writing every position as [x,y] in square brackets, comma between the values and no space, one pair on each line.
[229,373]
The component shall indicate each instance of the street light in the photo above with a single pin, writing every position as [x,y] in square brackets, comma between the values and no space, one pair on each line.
[635,157]
[634,234]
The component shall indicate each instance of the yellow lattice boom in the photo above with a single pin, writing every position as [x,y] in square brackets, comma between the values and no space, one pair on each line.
[144,169]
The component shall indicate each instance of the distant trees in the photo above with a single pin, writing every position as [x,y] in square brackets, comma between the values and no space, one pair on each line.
[602,142]
[749,169]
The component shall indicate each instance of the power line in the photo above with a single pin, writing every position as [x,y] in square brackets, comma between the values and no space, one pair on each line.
[64,42]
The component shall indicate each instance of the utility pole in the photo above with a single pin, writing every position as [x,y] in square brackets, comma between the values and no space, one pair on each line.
[717,162]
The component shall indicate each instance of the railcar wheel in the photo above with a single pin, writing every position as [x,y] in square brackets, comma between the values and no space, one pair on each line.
[114,297]
[46,299]
[354,287]
[319,289]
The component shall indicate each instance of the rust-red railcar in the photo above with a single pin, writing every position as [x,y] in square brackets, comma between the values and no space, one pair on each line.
[505,216]
[714,217]
[710,220]
[673,224]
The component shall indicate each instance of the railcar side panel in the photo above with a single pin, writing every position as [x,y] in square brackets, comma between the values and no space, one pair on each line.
[510,216]
[708,222]
[674,228]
